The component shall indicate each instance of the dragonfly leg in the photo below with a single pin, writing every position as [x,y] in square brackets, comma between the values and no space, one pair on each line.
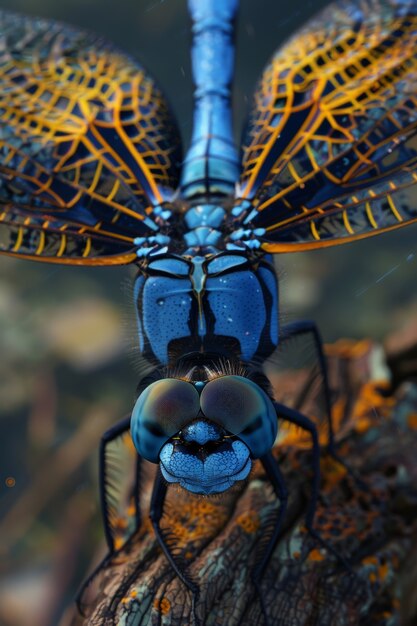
[308,327]
[85,585]
[156,512]
[274,474]
[110,435]
[300,420]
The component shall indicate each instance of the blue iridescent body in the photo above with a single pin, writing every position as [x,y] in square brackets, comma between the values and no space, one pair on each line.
[206,296]
[205,300]
[210,292]
[92,173]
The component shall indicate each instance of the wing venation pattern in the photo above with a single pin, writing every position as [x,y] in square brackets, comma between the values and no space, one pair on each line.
[87,141]
[330,154]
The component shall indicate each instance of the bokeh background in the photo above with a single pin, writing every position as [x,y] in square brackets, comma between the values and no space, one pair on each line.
[68,361]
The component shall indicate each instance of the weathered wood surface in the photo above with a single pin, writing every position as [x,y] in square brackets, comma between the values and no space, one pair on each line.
[374,528]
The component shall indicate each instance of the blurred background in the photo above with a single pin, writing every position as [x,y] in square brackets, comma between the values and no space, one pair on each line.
[68,368]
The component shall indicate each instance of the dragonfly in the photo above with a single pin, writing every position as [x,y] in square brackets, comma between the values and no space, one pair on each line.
[92,173]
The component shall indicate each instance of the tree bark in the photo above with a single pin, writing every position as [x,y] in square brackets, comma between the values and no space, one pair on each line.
[366,515]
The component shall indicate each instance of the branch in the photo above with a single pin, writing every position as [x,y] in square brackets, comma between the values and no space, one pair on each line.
[370,522]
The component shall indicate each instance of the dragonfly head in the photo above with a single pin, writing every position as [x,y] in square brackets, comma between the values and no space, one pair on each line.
[204,434]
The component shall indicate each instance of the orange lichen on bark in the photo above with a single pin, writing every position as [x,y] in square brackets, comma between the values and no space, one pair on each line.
[332,471]
[316,555]
[249,521]
[373,401]
[348,348]
[412,421]
[162,605]
[194,520]
[383,571]
[132,596]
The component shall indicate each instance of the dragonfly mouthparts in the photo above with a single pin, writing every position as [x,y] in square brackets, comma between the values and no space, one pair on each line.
[204,459]
[202,431]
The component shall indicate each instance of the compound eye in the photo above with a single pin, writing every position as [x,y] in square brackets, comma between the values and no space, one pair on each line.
[242,408]
[161,410]
[232,402]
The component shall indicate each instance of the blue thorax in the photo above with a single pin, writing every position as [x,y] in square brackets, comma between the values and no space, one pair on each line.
[224,302]
[205,289]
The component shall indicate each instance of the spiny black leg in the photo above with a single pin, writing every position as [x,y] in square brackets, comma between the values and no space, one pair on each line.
[87,583]
[274,474]
[300,420]
[156,511]
[308,327]
[110,435]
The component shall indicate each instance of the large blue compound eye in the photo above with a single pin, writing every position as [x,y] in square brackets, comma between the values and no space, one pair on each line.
[161,410]
[242,408]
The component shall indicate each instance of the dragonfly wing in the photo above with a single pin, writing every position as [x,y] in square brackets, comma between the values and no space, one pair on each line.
[88,147]
[44,239]
[330,153]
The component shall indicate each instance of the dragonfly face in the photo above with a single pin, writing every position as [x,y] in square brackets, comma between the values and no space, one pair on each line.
[204,434]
